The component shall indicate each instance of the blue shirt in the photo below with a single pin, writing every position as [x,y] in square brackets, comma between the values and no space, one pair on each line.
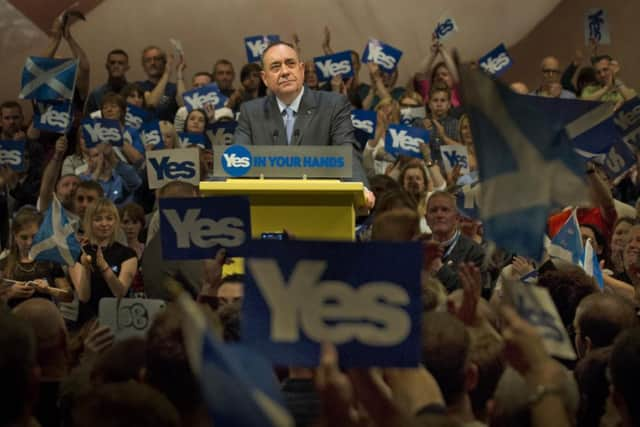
[167,108]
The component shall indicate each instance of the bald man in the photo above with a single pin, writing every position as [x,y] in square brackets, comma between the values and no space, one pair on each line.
[52,354]
[600,318]
[551,74]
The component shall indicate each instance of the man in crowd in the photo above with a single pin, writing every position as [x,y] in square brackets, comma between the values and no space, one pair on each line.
[442,218]
[117,66]
[294,114]
[224,75]
[551,87]
[160,93]
[609,87]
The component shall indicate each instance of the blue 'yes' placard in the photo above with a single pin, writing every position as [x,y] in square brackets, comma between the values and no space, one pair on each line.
[195,228]
[205,95]
[386,56]
[405,140]
[497,61]
[300,294]
[96,131]
[12,154]
[337,64]
[255,45]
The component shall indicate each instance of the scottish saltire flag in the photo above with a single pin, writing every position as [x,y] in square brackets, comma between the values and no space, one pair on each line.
[48,78]
[238,385]
[536,168]
[591,264]
[567,243]
[56,240]
[627,121]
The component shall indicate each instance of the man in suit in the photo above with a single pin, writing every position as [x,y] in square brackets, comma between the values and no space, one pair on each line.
[442,217]
[293,114]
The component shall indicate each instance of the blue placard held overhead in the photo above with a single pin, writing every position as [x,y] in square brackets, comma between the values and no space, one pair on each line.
[497,61]
[52,116]
[96,131]
[405,141]
[136,116]
[255,45]
[188,139]
[300,294]
[364,124]
[12,154]
[386,56]
[151,134]
[221,132]
[205,95]
[619,160]
[195,228]
[337,64]
[445,28]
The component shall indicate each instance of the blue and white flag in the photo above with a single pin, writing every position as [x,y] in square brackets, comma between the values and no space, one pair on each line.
[221,132]
[386,56]
[188,139]
[237,384]
[136,116]
[205,95]
[12,154]
[52,116]
[591,264]
[444,28]
[405,140]
[195,228]
[96,131]
[497,61]
[47,79]
[56,239]
[627,121]
[592,133]
[567,243]
[255,45]
[364,124]
[336,64]
[596,27]
[151,134]
[299,294]
[536,168]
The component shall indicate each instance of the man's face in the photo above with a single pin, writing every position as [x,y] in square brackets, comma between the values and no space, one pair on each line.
[603,71]
[153,62]
[117,65]
[200,81]
[550,71]
[112,111]
[11,121]
[413,181]
[83,199]
[66,187]
[224,75]
[283,72]
[229,293]
[93,156]
[442,216]
[439,104]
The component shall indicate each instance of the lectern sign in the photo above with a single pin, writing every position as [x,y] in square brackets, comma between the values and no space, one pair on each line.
[282,162]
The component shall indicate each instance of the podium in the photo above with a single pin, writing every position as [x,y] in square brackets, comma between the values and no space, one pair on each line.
[308,208]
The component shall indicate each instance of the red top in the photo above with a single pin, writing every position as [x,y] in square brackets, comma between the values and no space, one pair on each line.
[592,216]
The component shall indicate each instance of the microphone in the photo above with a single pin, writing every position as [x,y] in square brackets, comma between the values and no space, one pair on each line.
[274,136]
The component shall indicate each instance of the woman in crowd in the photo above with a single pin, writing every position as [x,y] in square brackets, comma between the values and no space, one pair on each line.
[197,122]
[619,240]
[76,163]
[414,180]
[26,277]
[134,95]
[466,138]
[114,107]
[106,268]
[133,223]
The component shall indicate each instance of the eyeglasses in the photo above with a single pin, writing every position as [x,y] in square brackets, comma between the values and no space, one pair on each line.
[550,71]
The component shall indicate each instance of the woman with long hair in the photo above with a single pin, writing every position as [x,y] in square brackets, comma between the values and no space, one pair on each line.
[25,277]
[106,268]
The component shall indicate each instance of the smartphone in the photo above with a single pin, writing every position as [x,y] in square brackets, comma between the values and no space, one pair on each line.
[274,236]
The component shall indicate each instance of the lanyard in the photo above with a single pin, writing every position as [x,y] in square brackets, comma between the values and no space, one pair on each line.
[452,243]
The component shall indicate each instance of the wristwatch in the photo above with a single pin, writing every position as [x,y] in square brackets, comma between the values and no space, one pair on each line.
[540,392]
[430,163]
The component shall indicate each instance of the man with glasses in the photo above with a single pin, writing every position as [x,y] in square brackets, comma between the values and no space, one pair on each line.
[551,87]
[117,66]
[159,92]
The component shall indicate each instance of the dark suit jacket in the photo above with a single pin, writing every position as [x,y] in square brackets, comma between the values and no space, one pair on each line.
[324,118]
[466,250]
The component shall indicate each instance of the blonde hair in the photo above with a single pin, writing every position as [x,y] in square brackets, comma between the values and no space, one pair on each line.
[167,127]
[395,108]
[100,206]
[412,94]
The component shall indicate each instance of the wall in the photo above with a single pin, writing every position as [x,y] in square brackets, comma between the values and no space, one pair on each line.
[561,33]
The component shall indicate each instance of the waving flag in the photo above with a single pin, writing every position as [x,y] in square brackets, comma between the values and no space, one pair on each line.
[567,243]
[48,79]
[238,385]
[591,265]
[467,201]
[536,168]
[56,240]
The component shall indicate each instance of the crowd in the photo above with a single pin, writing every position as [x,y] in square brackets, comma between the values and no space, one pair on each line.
[482,364]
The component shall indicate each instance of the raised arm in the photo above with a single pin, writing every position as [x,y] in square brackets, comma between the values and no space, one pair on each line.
[84,67]
[181,88]
[326,42]
[153,97]
[51,174]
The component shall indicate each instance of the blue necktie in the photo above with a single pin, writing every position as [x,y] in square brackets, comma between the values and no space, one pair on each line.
[289,120]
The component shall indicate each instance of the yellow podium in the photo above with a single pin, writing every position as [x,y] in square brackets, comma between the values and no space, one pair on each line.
[307,208]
